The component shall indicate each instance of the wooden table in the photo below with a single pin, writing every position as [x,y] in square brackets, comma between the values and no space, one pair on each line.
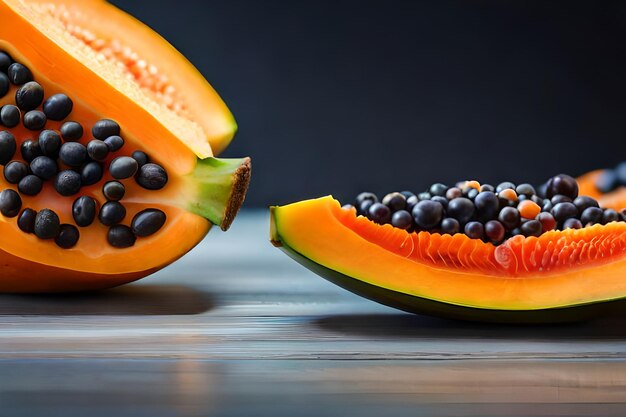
[237,329]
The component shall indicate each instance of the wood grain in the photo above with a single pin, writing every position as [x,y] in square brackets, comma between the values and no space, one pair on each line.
[237,329]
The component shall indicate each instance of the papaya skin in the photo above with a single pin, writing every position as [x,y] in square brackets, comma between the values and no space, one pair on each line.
[319,232]
[22,276]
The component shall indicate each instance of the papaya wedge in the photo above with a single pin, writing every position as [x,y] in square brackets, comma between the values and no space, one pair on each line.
[560,276]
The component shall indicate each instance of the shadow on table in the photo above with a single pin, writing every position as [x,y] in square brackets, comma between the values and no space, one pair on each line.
[129,300]
[411,326]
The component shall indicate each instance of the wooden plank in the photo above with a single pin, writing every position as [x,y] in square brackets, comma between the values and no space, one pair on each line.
[236,328]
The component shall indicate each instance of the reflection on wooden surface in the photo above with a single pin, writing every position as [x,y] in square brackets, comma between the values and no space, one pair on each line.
[123,301]
[236,329]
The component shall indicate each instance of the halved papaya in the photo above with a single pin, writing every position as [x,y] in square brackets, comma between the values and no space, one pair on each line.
[562,275]
[107,69]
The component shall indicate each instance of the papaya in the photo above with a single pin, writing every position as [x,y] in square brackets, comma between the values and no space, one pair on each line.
[469,252]
[608,186]
[107,144]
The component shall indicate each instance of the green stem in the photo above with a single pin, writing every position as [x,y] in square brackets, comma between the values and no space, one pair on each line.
[220,188]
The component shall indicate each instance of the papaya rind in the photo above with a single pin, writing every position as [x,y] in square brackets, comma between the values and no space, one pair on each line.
[425,306]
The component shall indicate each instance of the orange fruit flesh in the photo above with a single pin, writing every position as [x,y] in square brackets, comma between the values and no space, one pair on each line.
[556,269]
[93,253]
[68,40]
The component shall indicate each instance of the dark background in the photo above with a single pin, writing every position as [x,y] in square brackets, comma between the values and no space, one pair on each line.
[335,97]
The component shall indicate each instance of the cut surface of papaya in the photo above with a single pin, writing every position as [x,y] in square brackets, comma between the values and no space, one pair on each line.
[93,102]
[561,275]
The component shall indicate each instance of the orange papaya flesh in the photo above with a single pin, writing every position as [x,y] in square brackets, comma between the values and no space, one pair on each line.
[199,192]
[587,186]
[525,279]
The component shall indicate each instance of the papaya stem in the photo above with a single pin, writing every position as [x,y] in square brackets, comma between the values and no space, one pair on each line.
[221,186]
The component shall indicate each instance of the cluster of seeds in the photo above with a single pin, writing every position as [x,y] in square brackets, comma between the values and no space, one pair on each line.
[485,212]
[59,157]
[610,179]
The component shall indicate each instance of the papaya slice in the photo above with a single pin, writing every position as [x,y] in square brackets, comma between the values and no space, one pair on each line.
[562,275]
[134,98]
[615,199]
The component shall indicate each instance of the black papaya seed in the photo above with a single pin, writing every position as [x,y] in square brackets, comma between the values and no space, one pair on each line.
[91,173]
[71,131]
[8,146]
[562,184]
[84,211]
[29,96]
[141,158]
[57,107]
[411,202]
[5,61]
[379,213]
[461,209]
[365,196]
[563,211]
[148,222]
[572,224]
[591,215]
[525,189]
[114,143]
[73,154]
[428,214]
[50,143]
[44,167]
[474,230]
[450,226]
[19,74]
[487,205]
[26,220]
[97,150]
[10,203]
[112,213]
[4,84]
[402,219]
[442,200]
[504,186]
[113,190]
[152,177]
[121,236]
[67,182]
[30,150]
[532,228]
[10,115]
[438,189]
[609,216]
[34,120]
[494,230]
[47,224]
[123,167]
[68,236]
[14,171]
[105,128]
[583,202]
[395,201]
[509,217]
[30,185]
